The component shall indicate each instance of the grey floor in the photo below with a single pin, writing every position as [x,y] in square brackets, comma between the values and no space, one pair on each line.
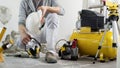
[84,62]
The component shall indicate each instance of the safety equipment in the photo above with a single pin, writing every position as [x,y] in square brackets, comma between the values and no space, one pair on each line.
[33,48]
[33,22]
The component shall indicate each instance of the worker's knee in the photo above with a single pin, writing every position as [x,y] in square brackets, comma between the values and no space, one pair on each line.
[52,16]
[52,20]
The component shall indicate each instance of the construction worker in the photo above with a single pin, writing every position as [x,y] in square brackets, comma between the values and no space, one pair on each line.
[50,11]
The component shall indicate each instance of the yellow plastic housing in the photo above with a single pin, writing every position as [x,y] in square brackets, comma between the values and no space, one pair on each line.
[88,43]
[2,33]
[1,55]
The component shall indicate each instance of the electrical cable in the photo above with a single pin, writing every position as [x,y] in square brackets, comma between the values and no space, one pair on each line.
[57,48]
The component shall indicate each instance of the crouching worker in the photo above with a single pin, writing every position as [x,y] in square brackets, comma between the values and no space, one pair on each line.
[48,11]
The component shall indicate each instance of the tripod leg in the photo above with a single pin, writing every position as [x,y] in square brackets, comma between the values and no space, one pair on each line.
[118,27]
[116,40]
[101,42]
[118,56]
[115,34]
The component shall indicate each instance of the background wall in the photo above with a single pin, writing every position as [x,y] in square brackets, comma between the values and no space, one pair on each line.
[13,23]
[67,22]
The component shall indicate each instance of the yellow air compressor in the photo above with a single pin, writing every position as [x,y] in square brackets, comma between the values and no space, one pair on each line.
[88,43]
[90,34]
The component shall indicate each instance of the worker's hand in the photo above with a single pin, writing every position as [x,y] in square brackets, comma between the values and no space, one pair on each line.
[44,10]
[25,38]
[42,20]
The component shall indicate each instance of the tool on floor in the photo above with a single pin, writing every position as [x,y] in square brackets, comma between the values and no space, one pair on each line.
[4,47]
[33,49]
[95,37]
[112,19]
[69,50]
[1,49]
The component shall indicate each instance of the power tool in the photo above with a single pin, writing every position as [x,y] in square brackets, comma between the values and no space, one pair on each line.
[69,50]
[33,48]
[4,47]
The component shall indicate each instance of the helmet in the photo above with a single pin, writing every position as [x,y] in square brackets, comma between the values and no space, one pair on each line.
[33,23]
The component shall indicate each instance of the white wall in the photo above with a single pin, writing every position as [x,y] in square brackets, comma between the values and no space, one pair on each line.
[13,23]
[67,22]
[13,6]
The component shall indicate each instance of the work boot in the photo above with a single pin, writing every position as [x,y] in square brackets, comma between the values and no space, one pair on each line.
[50,58]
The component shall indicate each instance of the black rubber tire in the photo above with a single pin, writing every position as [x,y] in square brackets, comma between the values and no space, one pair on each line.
[59,53]
[102,61]
[112,59]
[74,58]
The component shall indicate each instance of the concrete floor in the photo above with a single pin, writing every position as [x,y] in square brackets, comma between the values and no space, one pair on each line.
[84,62]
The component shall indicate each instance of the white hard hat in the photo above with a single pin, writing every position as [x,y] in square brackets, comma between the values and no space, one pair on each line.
[33,23]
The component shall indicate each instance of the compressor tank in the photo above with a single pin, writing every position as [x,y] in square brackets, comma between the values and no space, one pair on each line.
[88,43]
